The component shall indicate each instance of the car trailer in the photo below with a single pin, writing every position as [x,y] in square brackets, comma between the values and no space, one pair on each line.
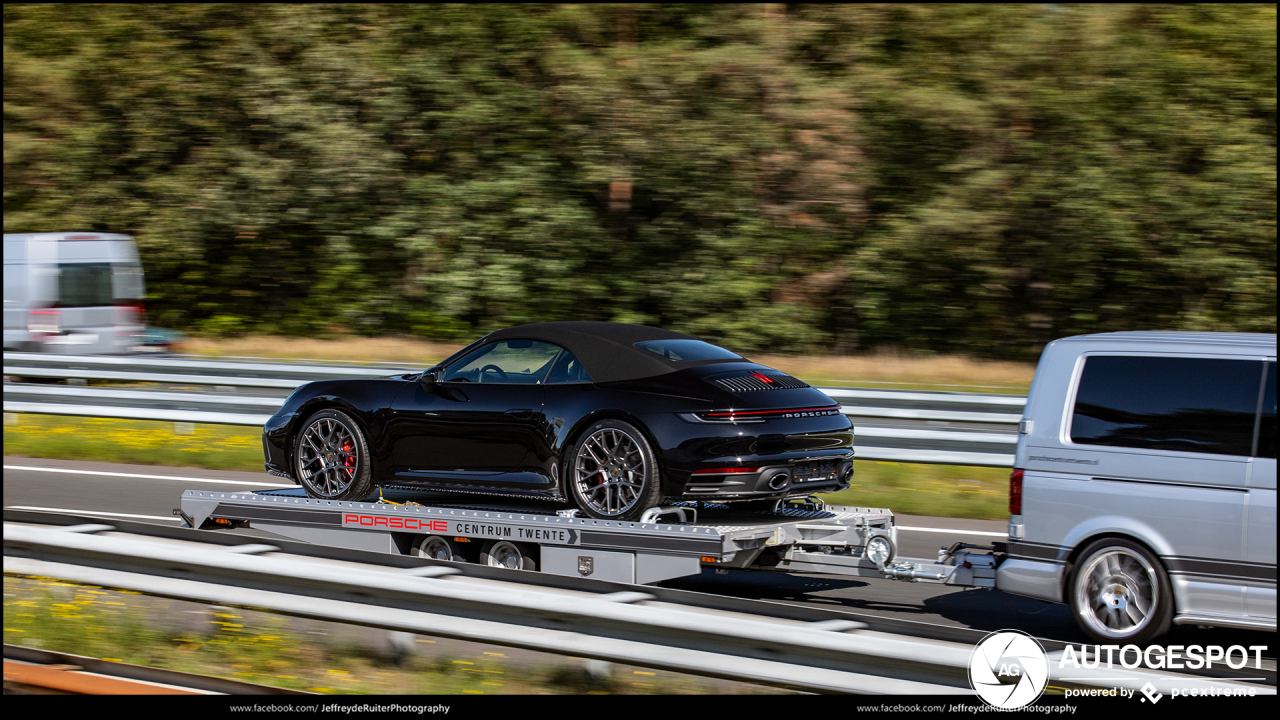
[799,535]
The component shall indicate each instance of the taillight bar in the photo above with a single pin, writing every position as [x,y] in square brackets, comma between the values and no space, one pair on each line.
[827,410]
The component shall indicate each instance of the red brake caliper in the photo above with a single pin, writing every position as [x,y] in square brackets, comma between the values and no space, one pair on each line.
[348,461]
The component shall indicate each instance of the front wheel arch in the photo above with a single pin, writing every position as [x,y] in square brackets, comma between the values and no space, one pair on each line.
[355,447]
[305,412]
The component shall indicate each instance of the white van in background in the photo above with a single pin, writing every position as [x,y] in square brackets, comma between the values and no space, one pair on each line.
[1144,485]
[72,292]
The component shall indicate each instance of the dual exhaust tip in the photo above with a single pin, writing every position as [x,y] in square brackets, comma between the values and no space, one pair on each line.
[782,479]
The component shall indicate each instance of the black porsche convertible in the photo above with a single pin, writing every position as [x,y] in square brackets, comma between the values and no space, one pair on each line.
[615,418]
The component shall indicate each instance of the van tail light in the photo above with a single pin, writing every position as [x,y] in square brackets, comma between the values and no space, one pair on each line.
[130,317]
[1015,492]
[43,321]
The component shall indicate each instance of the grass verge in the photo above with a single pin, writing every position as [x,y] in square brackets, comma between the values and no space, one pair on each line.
[939,490]
[133,442]
[958,491]
[321,657]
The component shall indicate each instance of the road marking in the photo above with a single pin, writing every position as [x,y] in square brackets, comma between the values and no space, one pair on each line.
[955,532]
[91,512]
[148,477]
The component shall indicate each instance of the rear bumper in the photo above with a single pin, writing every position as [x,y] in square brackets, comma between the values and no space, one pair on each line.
[776,478]
[1031,578]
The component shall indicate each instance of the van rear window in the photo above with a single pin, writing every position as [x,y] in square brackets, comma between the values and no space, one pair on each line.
[1202,405]
[84,285]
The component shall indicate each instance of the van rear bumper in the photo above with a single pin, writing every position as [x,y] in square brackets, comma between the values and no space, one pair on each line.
[1031,578]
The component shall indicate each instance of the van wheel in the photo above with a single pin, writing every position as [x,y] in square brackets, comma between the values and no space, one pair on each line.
[1119,592]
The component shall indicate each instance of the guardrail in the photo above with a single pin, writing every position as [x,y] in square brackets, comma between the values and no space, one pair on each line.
[902,426]
[623,624]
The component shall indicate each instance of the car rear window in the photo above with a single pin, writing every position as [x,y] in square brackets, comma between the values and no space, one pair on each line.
[687,350]
[1203,405]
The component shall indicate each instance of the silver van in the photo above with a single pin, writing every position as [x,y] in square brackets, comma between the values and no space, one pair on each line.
[1144,486]
[72,292]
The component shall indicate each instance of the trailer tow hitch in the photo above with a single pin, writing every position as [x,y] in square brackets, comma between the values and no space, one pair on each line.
[908,571]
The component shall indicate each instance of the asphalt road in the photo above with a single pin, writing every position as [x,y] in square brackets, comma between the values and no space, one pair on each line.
[150,493]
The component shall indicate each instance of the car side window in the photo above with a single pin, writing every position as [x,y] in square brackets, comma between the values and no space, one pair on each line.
[1203,405]
[522,362]
[568,369]
[1267,423]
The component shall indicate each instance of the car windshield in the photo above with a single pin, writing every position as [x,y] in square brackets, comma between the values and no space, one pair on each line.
[509,361]
[687,350]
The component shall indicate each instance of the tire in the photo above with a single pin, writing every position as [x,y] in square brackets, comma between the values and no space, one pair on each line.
[1119,593]
[331,458]
[509,555]
[881,547]
[438,548]
[613,472]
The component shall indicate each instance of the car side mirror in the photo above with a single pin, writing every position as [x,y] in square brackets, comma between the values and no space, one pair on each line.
[428,380]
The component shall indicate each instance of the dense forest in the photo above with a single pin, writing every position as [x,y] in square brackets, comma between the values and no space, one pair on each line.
[944,178]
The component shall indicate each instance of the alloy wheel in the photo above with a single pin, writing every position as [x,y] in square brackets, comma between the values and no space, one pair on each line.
[610,472]
[328,458]
[1117,592]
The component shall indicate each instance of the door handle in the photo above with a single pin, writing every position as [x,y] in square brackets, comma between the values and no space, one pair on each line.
[521,414]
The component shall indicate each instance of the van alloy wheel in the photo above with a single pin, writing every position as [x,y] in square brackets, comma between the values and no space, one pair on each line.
[1118,592]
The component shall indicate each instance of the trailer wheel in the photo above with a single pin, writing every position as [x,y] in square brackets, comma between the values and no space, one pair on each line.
[881,549]
[505,554]
[438,548]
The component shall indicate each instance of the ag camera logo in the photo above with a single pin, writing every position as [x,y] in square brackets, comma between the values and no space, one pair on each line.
[1008,669]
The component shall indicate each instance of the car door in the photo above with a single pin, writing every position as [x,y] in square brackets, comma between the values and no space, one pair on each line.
[479,420]
[1260,537]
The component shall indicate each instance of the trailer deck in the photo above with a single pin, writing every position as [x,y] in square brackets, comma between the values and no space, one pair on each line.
[668,542]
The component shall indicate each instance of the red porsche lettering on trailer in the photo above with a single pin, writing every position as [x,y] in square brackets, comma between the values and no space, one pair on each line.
[394,523]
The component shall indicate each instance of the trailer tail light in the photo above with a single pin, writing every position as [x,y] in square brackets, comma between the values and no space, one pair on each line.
[43,321]
[1015,492]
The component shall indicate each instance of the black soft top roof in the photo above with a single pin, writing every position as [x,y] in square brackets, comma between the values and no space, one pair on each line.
[607,350]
